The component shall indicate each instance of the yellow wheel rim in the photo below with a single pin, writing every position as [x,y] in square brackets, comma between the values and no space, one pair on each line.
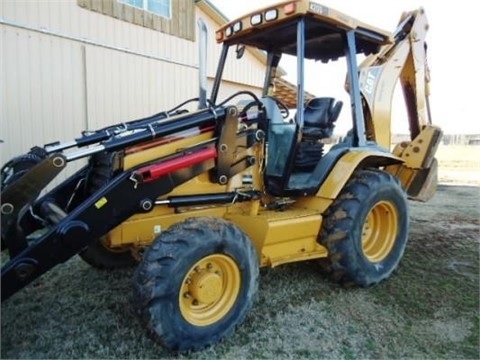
[209,290]
[380,231]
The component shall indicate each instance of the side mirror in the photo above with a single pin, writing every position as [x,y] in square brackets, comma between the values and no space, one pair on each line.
[240,50]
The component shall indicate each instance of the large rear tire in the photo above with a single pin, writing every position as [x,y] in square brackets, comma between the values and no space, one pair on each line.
[196,283]
[365,229]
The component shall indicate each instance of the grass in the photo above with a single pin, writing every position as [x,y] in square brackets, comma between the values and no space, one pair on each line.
[428,309]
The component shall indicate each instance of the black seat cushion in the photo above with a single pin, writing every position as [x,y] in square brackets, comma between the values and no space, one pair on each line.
[319,117]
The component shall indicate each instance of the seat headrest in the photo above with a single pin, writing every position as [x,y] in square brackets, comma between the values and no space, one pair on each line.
[317,103]
[322,112]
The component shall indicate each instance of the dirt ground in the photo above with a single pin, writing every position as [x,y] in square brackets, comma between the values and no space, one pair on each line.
[428,309]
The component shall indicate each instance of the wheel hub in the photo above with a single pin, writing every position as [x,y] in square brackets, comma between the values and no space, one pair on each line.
[206,286]
[379,231]
[209,290]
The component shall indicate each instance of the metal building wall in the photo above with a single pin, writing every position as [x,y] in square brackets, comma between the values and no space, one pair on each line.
[41,86]
[65,69]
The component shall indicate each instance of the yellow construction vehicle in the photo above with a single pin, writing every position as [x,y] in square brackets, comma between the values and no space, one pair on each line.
[199,200]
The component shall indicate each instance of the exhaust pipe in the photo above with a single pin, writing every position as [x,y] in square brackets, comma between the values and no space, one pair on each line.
[202,71]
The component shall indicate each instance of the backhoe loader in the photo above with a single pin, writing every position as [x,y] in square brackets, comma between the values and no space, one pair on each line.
[199,199]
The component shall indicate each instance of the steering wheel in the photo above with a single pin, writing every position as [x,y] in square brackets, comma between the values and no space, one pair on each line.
[283,107]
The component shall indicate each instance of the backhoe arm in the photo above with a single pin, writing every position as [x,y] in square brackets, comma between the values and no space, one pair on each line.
[405,59]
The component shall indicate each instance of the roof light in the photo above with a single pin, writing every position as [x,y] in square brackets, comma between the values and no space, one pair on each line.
[256,19]
[228,31]
[289,8]
[237,27]
[271,15]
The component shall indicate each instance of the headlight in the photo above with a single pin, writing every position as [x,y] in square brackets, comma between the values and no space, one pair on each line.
[271,15]
[256,19]
[237,27]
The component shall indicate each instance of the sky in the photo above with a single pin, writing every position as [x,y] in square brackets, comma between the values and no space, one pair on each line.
[451,43]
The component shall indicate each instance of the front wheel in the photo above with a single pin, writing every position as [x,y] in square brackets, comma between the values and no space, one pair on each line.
[365,229]
[196,283]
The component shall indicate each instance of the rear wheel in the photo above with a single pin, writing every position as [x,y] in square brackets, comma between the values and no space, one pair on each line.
[196,283]
[365,229]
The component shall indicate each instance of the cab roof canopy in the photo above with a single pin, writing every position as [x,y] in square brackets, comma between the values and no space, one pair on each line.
[274,29]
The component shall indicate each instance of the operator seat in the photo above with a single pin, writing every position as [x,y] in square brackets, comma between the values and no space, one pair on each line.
[320,115]
[282,176]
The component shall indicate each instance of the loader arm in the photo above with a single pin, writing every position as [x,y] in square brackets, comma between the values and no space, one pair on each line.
[131,192]
[41,233]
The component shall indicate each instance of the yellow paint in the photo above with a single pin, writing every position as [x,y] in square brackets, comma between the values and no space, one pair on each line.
[101,202]
[345,167]
[139,229]
[209,290]
[418,173]
[293,251]
[314,203]
[378,95]
[302,7]
[282,236]
[380,231]
[419,153]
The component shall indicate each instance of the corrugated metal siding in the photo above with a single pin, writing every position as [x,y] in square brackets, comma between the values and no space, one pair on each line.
[229,88]
[42,88]
[65,69]
[122,87]
[65,17]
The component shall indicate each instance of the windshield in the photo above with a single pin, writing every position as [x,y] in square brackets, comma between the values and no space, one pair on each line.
[246,74]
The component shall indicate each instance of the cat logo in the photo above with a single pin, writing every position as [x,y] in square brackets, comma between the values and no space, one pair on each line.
[368,82]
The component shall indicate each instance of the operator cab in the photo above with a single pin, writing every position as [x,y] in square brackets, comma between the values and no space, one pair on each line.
[306,30]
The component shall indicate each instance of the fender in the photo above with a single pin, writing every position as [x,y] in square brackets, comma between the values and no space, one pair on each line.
[348,163]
